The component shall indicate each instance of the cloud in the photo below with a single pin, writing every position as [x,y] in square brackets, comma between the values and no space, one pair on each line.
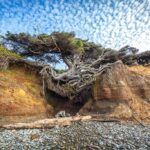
[111,23]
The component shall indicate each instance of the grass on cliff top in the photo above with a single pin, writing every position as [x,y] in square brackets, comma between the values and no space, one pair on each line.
[5,52]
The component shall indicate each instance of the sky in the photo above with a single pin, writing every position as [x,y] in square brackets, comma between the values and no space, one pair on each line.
[111,23]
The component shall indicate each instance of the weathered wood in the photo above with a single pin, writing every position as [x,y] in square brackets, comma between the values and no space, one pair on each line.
[105,120]
[47,123]
[75,80]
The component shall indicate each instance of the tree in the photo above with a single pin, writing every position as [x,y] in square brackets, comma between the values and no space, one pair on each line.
[129,49]
[128,54]
[144,58]
[85,60]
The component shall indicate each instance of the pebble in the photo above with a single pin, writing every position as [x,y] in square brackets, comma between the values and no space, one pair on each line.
[84,135]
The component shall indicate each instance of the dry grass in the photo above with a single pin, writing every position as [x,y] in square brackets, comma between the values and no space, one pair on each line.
[144,70]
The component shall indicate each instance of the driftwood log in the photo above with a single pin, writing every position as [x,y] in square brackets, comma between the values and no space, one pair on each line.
[47,123]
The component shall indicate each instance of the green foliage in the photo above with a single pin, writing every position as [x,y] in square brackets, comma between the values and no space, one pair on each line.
[128,55]
[66,44]
[42,36]
[93,50]
[59,71]
[129,59]
[5,52]
[78,45]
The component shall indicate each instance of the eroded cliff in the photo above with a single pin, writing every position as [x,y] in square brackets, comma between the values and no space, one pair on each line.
[121,92]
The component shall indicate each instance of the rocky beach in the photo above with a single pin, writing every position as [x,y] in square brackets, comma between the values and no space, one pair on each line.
[90,135]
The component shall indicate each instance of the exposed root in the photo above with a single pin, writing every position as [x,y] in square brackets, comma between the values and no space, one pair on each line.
[76,79]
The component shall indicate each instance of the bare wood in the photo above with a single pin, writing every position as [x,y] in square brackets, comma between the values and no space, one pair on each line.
[47,123]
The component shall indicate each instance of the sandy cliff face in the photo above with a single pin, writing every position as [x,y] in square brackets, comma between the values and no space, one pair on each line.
[121,92]
[20,96]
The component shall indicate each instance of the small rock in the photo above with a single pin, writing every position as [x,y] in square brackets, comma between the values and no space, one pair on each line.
[34,136]
[62,114]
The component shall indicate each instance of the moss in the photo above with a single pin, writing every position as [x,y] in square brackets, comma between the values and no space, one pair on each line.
[6,52]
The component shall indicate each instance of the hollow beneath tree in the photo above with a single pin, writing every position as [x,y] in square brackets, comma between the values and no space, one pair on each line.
[60,103]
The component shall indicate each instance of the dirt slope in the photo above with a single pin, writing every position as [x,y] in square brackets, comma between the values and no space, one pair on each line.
[20,96]
[143,70]
[121,92]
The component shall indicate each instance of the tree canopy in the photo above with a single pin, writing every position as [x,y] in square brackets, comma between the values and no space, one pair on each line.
[63,44]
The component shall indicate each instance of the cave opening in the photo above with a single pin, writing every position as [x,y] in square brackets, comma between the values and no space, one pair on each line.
[72,106]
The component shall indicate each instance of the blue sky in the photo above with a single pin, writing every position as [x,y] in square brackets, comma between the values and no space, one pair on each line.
[112,23]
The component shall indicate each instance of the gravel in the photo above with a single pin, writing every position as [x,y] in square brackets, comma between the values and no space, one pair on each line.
[79,136]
